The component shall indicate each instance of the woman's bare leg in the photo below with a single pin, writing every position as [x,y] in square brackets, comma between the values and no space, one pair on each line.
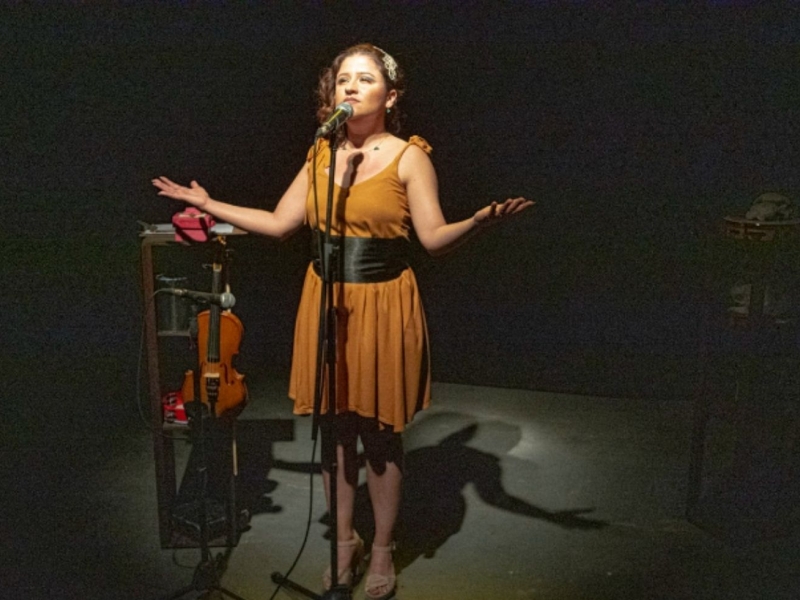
[346,484]
[385,494]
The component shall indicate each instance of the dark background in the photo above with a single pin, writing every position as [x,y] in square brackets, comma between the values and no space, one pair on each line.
[635,130]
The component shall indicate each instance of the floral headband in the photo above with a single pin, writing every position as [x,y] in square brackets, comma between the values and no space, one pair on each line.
[390,64]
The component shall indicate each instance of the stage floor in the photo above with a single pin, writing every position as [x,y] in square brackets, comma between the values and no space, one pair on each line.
[510,494]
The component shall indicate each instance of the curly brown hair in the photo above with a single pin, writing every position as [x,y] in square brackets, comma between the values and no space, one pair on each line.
[326,88]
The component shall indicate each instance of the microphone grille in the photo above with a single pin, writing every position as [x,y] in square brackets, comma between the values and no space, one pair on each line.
[227,300]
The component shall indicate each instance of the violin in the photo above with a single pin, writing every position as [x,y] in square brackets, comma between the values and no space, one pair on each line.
[219,334]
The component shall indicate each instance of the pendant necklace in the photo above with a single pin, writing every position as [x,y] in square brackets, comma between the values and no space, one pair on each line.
[377,147]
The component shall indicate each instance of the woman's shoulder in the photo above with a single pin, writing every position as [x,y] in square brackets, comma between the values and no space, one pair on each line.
[414,158]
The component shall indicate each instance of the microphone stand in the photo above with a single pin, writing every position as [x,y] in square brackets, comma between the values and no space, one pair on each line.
[330,259]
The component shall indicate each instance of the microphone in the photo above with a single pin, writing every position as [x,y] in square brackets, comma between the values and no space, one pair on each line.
[224,300]
[339,115]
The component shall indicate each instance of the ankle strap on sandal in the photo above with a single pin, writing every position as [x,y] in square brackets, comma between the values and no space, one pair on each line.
[354,541]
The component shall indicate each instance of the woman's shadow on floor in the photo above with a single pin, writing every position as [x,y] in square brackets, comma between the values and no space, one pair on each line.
[434,506]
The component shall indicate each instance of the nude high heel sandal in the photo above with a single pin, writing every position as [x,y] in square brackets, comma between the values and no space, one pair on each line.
[351,572]
[381,582]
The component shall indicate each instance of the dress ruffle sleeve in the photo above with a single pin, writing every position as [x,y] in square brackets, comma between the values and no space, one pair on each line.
[321,145]
[420,142]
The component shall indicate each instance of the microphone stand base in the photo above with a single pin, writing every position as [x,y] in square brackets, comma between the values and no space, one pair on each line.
[339,592]
[206,580]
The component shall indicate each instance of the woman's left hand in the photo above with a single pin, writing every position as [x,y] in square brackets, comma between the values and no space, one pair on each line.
[499,211]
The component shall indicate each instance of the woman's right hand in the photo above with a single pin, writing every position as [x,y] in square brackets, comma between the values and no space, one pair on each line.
[194,195]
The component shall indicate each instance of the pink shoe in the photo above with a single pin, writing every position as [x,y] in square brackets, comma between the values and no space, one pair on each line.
[351,572]
[376,584]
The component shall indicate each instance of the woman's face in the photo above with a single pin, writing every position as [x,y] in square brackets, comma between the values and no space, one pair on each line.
[360,83]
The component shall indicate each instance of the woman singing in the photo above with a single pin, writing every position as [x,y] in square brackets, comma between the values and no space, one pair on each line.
[384,187]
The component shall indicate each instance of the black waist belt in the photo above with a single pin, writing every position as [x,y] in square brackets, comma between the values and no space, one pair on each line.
[365,260]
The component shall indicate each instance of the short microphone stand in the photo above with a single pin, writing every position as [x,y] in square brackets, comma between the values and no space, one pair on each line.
[206,578]
[329,255]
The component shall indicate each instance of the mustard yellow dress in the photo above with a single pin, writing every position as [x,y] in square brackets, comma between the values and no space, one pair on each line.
[383,364]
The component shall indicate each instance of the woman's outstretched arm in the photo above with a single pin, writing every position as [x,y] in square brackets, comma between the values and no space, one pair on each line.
[288,216]
[435,234]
